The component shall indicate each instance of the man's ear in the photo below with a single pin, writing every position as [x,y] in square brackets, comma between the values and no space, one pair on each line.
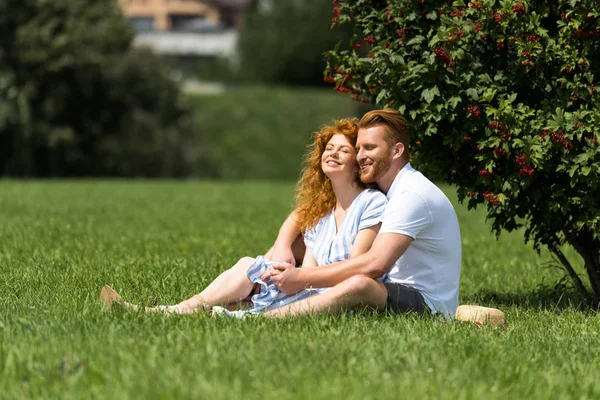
[397,150]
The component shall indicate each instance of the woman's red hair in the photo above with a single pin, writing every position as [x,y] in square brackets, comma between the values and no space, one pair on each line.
[314,192]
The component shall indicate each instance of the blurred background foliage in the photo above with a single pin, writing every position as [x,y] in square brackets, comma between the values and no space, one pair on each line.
[78,100]
[263,130]
[284,44]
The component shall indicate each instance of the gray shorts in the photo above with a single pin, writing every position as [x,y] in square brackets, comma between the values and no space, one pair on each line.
[402,298]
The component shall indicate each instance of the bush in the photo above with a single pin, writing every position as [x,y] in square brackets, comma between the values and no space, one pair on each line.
[502,103]
[76,101]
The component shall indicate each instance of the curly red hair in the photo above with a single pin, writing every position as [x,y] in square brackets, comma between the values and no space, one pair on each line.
[314,193]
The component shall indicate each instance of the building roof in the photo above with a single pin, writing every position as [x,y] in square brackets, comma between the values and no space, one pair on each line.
[240,4]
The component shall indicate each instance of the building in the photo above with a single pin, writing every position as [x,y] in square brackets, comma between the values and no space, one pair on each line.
[175,15]
[196,28]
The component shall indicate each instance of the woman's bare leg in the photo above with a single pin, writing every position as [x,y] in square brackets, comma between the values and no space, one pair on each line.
[231,286]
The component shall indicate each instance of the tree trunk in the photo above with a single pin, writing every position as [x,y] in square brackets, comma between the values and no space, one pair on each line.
[589,249]
[579,286]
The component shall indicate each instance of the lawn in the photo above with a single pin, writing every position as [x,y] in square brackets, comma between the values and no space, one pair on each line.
[163,241]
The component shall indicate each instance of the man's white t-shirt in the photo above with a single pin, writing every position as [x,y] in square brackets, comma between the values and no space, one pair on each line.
[431,264]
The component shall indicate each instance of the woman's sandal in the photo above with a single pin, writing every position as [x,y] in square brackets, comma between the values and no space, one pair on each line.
[108,296]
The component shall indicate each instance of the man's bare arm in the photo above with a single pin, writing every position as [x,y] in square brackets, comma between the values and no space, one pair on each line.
[385,251]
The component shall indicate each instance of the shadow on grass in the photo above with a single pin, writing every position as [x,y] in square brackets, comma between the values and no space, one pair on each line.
[558,297]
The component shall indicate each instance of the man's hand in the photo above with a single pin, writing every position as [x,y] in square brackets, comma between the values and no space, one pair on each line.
[286,277]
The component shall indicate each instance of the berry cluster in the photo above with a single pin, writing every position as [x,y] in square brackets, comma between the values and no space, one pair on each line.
[445,57]
[476,4]
[519,9]
[473,110]
[341,89]
[486,174]
[497,17]
[369,39]
[499,151]
[497,125]
[457,14]
[492,198]
[336,13]
[527,61]
[559,139]
[526,167]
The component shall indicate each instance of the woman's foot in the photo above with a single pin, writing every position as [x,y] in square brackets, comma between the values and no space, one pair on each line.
[108,296]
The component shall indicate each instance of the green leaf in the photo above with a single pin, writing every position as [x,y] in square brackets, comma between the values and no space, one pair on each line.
[489,94]
[429,94]
[585,171]
[454,100]
[397,59]
[380,96]
[484,78]
[472,93]
[415,40]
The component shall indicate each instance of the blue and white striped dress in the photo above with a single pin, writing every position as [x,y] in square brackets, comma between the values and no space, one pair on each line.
[328,246]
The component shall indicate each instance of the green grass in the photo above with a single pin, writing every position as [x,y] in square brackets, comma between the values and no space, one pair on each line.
[61,241]
[262,131]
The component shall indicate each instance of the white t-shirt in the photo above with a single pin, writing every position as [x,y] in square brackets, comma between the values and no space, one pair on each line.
[431,264]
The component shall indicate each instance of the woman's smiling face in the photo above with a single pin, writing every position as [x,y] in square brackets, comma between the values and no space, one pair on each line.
[339,158]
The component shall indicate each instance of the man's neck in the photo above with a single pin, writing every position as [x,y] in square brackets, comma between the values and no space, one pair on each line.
[386,181]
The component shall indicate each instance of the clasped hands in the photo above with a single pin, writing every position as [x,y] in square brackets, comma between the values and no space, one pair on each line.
[286,277]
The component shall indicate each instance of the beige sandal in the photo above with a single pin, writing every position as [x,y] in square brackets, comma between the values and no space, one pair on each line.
[108,296]
[481,316]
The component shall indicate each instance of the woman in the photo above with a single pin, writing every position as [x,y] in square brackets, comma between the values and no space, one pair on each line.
[339,216]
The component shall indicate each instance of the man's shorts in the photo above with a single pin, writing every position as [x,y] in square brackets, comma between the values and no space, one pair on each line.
[402,298]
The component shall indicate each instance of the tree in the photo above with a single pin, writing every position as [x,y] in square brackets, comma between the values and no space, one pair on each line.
[283,42]
[502,103]
[76,100]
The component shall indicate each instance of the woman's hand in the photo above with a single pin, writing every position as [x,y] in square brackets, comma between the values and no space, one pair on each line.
[286,277]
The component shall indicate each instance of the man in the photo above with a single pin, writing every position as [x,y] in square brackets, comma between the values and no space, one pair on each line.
[418,247]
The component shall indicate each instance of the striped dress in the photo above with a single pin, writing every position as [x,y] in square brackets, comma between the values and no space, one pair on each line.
[328,246]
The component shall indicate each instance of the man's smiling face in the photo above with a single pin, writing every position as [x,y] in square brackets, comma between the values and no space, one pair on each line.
[374,153]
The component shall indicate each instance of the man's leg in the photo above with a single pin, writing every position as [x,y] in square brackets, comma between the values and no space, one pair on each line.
[353,292]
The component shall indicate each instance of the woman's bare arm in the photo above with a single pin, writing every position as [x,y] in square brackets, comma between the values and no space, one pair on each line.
[287,247]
